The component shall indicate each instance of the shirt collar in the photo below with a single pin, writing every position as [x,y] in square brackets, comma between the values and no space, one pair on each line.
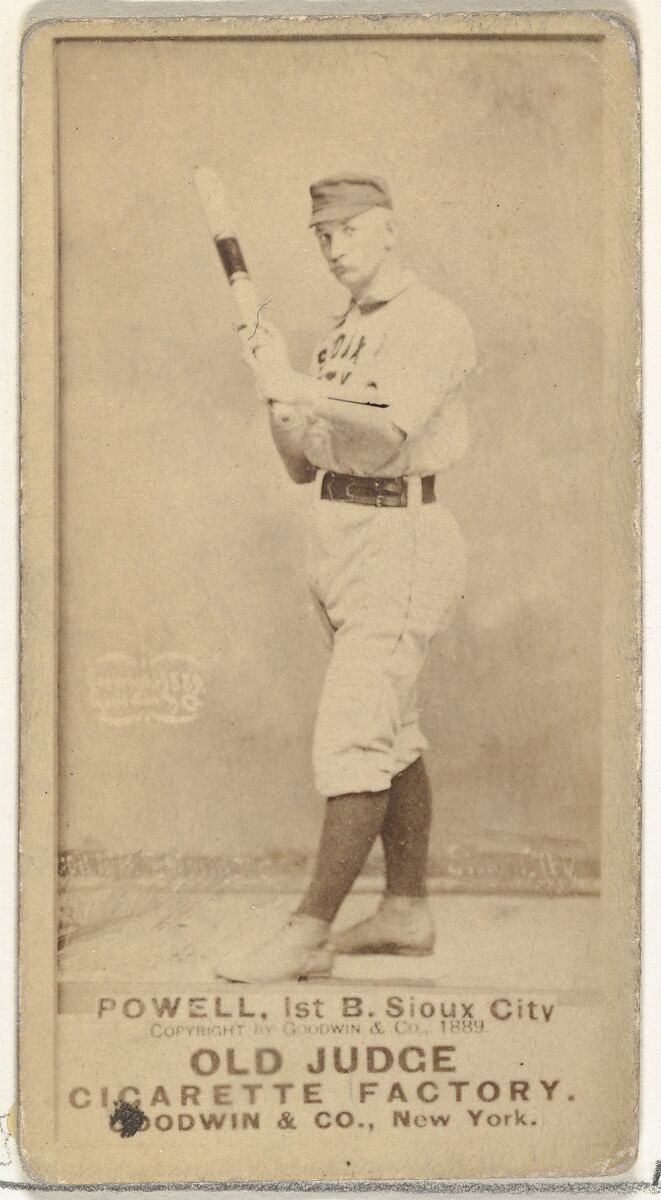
[385,292]
[380,296]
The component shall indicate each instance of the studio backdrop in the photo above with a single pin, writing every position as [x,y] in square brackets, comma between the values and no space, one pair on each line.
[190,656]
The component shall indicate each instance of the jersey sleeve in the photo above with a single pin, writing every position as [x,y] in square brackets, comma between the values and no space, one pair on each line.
[425,356]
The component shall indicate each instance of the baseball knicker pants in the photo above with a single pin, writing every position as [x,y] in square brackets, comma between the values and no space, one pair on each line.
[385,580]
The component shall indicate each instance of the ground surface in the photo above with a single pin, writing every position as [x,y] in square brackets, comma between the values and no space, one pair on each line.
[527,944]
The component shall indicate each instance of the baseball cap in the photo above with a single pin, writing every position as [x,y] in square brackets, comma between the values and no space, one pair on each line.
[342,196]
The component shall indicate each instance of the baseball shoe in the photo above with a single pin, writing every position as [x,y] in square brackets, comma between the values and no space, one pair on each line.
[401,925]
[299,951]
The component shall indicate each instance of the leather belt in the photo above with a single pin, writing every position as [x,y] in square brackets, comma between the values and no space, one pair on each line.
[365,489]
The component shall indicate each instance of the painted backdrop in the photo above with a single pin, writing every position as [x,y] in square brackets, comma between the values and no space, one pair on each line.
[190,656]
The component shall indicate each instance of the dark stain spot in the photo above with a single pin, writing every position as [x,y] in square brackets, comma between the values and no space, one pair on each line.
[128,1118]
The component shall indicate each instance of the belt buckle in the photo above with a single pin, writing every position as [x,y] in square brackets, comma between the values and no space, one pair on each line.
[382,492]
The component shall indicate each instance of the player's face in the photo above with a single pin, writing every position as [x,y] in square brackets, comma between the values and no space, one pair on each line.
[356,248]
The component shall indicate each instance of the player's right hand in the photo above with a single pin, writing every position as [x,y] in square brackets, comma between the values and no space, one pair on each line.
[285,416]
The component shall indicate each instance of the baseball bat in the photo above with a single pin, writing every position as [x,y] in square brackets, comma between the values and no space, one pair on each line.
[223,231]
[222,228]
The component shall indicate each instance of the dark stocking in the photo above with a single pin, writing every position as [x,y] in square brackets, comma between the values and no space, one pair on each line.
[405,831]
[351,826]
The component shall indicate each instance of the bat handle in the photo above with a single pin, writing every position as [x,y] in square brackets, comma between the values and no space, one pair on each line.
[246,301]
[234,266]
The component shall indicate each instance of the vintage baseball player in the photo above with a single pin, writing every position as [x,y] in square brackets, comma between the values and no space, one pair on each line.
[369,430]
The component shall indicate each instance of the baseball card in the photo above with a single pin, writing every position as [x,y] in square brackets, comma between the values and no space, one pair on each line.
[330,595]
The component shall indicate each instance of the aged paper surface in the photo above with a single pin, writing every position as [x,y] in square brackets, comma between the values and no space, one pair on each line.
[172,661]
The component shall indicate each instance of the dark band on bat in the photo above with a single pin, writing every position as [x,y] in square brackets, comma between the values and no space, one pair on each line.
[231,257]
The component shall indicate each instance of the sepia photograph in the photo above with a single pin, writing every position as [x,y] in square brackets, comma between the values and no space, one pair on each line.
[330,594]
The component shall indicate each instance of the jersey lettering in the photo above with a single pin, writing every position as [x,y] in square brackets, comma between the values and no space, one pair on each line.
[344,348]
[361,343]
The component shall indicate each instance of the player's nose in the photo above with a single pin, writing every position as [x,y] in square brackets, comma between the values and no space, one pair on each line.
[336,246]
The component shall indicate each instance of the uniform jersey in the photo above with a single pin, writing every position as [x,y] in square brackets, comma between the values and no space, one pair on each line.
[414,348]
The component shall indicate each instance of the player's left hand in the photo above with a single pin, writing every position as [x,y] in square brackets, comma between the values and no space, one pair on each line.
[265,351]
[266,346]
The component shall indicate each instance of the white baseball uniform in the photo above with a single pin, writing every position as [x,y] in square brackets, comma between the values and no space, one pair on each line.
[385,579]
